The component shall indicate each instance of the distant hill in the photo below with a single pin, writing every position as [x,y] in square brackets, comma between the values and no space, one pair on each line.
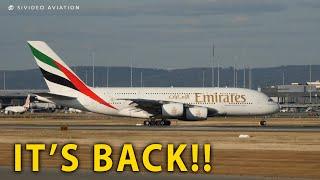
[192,77]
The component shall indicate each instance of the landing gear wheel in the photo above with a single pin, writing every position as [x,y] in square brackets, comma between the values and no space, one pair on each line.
[153,122]
[165,122]
[162,122]
[158,123]
[263,123]
[146,123]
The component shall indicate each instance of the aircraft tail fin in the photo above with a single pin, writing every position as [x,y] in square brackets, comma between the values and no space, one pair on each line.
[27,103]
[58,76]
[61,80]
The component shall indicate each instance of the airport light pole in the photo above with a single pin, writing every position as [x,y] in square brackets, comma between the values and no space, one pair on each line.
[218,74]
[236,77]
[93,68]
[310,85]
[107,76]
[203,78]
[131,74]
[310,73]
[86,76]
[249,71]
[141,79]
[212,66]
[283,78]
[235,72]
[244,76]
[4,80]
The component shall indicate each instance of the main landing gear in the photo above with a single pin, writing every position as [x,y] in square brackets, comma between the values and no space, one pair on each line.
[154,122]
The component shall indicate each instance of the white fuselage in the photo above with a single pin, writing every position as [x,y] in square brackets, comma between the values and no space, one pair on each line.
[226,101]
[67,89]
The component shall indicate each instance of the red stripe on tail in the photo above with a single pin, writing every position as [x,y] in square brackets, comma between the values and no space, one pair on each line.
[81,86]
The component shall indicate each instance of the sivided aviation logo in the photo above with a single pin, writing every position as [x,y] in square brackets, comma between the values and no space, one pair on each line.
[11,7]
[44,9]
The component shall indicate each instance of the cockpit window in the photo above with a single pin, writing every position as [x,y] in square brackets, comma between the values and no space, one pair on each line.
[270,100]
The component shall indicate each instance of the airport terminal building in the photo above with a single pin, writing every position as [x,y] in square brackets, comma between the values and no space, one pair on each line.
[295,95]
[17,97]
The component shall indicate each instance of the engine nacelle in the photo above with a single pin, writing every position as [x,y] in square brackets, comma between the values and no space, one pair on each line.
[172,110]
[196,113]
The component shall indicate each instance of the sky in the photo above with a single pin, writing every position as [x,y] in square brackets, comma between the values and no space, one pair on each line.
[165,34]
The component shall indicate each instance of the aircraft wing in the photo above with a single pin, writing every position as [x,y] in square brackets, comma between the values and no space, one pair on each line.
[55,96]
[154,106]
[150,106]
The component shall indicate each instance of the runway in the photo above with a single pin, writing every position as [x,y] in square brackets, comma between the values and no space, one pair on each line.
[279,128]
[285,148]
[53,174]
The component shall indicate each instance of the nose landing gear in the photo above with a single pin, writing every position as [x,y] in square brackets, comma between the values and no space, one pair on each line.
[154,122]
[263,122]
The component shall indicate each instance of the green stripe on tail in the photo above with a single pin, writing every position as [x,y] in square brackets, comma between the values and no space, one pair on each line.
[42,57]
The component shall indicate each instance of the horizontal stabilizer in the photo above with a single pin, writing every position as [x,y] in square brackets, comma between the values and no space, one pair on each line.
[55,96]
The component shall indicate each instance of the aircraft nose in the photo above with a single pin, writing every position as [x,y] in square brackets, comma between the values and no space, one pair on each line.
[273,108]
[276,107]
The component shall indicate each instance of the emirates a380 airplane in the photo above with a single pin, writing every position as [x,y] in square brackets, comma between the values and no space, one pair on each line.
[67,89]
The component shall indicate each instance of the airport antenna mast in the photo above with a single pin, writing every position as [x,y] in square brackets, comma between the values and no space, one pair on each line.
[212,66]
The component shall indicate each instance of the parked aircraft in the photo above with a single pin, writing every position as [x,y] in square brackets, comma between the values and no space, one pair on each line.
[18,109]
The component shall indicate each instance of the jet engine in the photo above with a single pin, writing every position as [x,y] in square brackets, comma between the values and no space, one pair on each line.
[196,113]
[172,110]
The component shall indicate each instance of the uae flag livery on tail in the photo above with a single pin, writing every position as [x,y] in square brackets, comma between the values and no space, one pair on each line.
[57,72]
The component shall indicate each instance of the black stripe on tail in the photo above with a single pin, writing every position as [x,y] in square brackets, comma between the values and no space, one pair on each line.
[57,79]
